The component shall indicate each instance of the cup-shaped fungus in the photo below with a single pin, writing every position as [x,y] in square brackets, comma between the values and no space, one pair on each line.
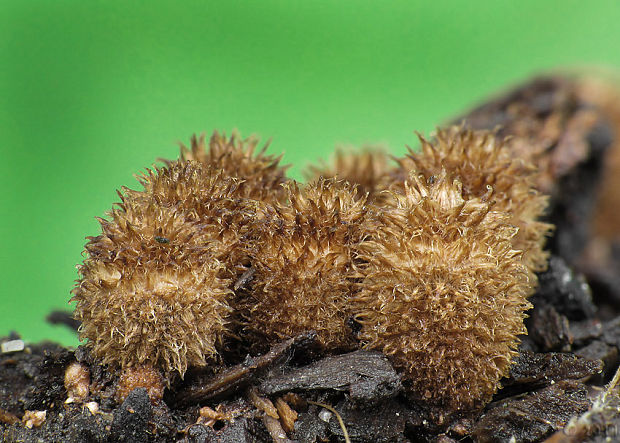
[444,293]
[302,257]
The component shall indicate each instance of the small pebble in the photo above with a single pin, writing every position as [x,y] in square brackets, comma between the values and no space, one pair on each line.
[12,346]
[34,418]
[325,415]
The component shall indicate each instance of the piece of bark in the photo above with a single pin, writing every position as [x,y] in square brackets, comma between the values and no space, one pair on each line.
[367,376]
[565,290]
[534,416]
[548,329]
[599,350]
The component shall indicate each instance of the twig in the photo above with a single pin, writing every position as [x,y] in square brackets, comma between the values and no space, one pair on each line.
[238,376]
[63,318]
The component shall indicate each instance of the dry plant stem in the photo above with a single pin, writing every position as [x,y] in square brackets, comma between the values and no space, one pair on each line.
[338,417]
[239,375]
[275,429]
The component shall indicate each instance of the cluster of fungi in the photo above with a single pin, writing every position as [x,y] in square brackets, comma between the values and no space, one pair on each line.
[430,260]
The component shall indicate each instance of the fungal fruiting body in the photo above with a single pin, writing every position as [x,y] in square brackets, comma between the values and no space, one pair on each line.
[261,175]
[481,161]
[436,271]
[443,292]
[155,287]
[449,263]
[150,291]
[368,170]
[302,258]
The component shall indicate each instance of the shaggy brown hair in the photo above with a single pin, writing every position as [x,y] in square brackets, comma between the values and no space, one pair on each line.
[482,162]
[302,260]
[155,288]
[443,291]
[368,169]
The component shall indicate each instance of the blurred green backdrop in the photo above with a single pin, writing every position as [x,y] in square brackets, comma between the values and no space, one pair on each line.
[93,91]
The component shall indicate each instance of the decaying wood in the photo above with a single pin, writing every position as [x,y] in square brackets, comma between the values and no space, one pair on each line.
[237,377]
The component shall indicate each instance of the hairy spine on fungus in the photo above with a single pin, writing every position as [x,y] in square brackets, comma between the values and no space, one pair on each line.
[480,160]
[261,174]
[443,291]
[149,291]
[302,256]
[155,288]
[368,170]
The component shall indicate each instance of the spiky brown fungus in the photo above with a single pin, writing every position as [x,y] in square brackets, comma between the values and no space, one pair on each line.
[261,174]
[368,170]
[155,287]
[302,258]
[150,290]
[481,160]
[444,292]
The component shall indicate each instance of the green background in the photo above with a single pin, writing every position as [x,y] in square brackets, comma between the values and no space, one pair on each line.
[92,92]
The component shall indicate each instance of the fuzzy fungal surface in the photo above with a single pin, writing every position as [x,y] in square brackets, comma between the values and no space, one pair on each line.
[427,300]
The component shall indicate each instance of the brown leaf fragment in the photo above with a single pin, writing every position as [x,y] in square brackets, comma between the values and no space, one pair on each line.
[366,375]
[533,416]
[532,370]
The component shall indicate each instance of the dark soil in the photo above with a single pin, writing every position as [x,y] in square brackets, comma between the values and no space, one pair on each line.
[570,353]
